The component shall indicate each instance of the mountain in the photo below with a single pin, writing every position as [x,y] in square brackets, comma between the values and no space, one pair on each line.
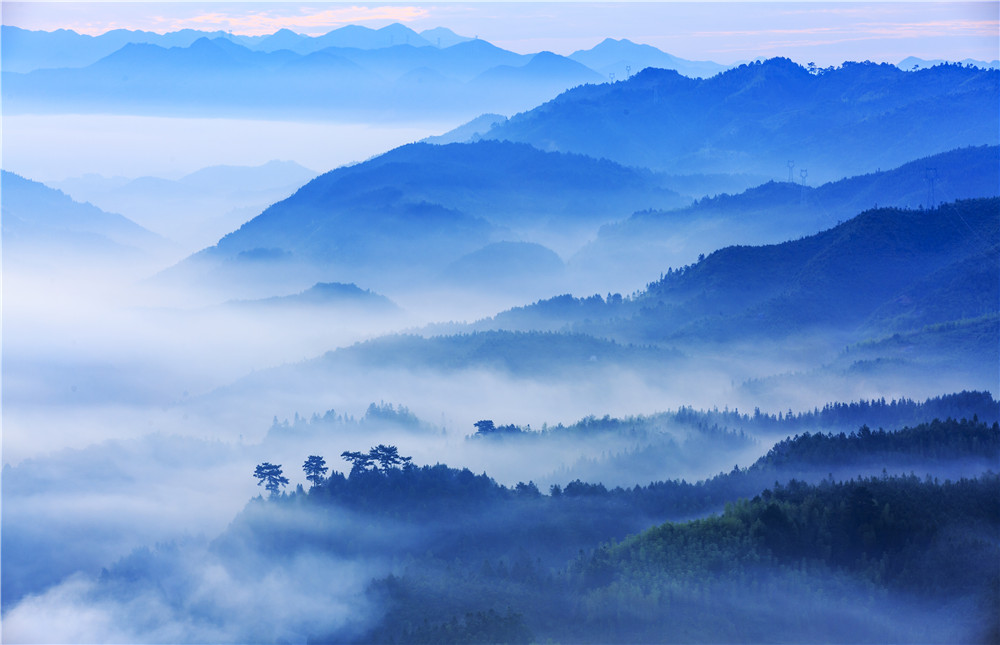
[442,37]
[361,37]
[283,39]
[468,132]
[198,208]
[518,354]
[912,63]
[333,295]
[756,117]
[545,69]
[508,266]
[423,207]
[25,51]
[222,76]
[622,58]
[45,228]
[883,271]
[773,212]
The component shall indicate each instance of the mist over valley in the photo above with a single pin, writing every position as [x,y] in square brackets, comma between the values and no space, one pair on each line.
[399,335]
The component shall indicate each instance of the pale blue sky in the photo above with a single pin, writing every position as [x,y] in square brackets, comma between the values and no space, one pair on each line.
[824,32]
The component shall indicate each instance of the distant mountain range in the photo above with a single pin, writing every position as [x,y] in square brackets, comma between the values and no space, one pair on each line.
[44,228]
[620,59]
[198,208]
[391,72]
[25,51]
[220,77]
[912,63]
[760,117]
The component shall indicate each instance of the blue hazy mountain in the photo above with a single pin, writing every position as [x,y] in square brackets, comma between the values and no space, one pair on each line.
[443,37]
[522,354]
[198,208]
[460,62]
[222,76]
[777,211]
[467,132]
[882,271]
[508,266]
[423,207]
[23,50]
[361,37]
[543,68]
[624,58]
[44,227]
[331,295]
[912,62]
[755,118]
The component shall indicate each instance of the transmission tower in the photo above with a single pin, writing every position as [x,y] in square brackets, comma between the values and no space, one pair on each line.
[628,71]
[791,164]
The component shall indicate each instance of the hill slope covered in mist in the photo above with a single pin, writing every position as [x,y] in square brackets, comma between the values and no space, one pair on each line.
[776,212]
[44,227]
[514,560]
[411,212]
[844,279]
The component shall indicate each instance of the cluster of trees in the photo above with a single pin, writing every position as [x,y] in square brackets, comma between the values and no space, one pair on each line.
[790,551]
[382,457]
[812,562]
[377,414]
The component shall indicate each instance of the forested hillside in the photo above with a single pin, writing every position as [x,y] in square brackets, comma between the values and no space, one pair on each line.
[756,117]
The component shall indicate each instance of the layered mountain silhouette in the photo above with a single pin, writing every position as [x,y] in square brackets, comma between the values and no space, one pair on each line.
[325,295]
[884,271]
[198,208]
[44,228]
[773,212]
[331,76]
[622,58]
[351,71]
[24,50]
[757,117]
[405,216]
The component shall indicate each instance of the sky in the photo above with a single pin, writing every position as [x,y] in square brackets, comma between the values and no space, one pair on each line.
[827,33]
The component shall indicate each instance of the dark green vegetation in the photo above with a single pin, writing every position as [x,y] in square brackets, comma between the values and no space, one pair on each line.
[756,117]
[794,554]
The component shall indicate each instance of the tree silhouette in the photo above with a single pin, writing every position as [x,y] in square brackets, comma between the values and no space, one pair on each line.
[315,469]
[387,456]
[270,476]
[359,461]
